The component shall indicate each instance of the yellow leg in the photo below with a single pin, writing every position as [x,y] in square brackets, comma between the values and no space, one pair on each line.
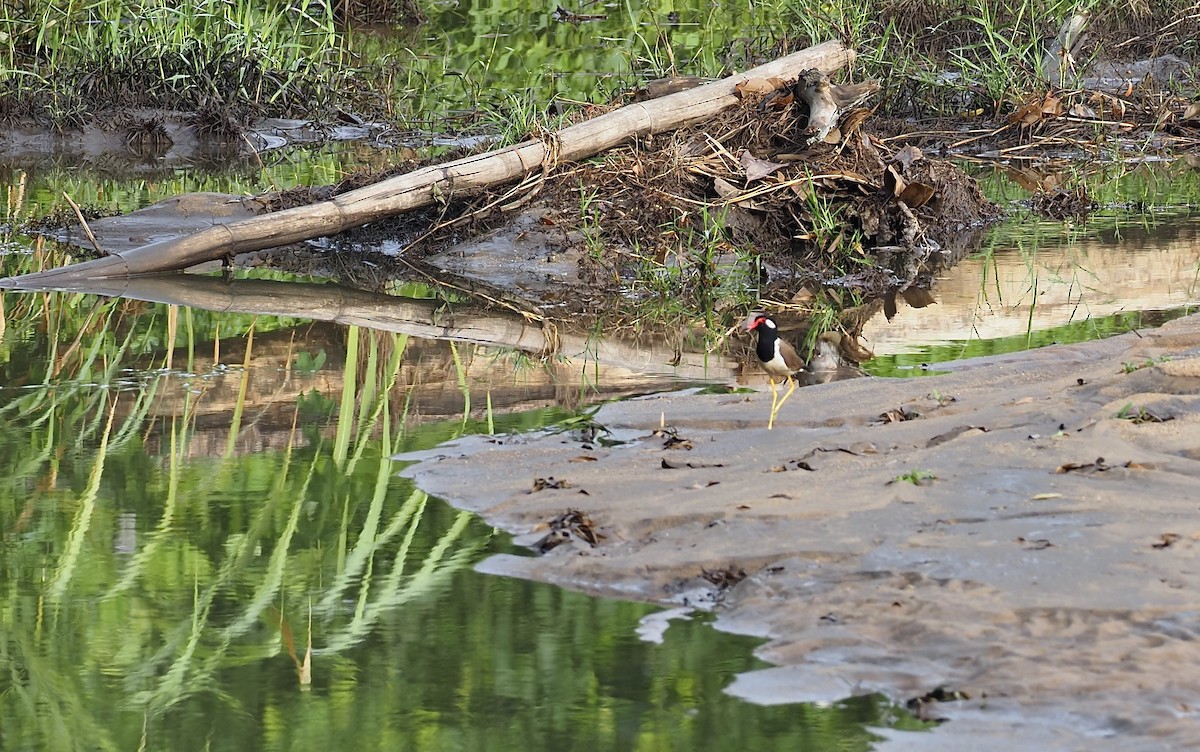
[778,403]
[774,401]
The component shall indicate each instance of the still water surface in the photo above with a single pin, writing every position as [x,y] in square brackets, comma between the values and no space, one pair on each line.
[181,571]
[206,546]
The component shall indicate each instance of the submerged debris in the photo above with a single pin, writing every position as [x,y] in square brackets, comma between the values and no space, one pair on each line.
[1063,204]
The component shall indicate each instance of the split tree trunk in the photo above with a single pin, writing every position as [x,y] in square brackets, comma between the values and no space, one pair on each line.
[422,187]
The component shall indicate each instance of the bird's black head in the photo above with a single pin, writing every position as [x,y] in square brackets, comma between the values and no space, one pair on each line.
[768,334]
[755,320]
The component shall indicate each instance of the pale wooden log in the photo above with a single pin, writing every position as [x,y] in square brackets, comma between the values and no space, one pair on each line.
[424,186]
[343,305]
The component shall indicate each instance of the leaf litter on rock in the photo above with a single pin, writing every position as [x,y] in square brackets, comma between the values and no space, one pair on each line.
[1099,466]
[571,525]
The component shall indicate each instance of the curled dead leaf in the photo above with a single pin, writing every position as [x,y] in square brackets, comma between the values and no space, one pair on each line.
[893,183]
[918,297]
[1027,114]
[852,121]
[916,195]
[757,169]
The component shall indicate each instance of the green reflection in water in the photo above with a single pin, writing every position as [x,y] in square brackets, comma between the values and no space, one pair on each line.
[158,593]
[914,363]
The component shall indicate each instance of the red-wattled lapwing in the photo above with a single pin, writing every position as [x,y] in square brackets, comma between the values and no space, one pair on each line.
[779,359]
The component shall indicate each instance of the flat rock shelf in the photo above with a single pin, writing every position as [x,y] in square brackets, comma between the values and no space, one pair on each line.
[1021,532]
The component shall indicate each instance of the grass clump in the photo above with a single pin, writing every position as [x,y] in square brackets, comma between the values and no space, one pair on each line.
[953,57]
[64,63]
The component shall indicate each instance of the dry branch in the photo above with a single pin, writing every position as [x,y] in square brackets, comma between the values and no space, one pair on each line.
[423,186]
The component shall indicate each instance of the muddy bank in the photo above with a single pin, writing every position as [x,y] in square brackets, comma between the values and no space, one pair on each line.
[1046,566]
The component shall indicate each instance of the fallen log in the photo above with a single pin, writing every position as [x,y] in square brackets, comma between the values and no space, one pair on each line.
[426,185]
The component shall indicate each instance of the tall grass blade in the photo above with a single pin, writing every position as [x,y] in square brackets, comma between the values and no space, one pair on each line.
[341,440]
[463,385]
[235,427]
[83,517]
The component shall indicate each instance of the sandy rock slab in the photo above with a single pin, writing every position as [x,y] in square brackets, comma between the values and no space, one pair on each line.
[1045,563]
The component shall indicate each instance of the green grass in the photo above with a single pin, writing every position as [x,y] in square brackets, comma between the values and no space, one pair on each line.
[956,57]
[916,477]
[62,62]
[695,276]
[229,60]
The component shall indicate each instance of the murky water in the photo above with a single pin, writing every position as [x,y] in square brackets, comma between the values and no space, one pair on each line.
[206,545]
[1037,282]
[195,557]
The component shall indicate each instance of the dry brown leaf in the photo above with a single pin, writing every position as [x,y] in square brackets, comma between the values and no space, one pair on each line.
[724,188]
[952,434]
[918,297]
[892,182]
[803,295]
[1034,181]
[1099,466]
[854,177]
[916,195]
[757,169]
[1027,115]
[1192,111]
[852,121]
[1081,110]
[907,155]
[1165,540]
[755,86]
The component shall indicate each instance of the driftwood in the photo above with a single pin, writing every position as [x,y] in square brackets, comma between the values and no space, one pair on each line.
[426,185]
